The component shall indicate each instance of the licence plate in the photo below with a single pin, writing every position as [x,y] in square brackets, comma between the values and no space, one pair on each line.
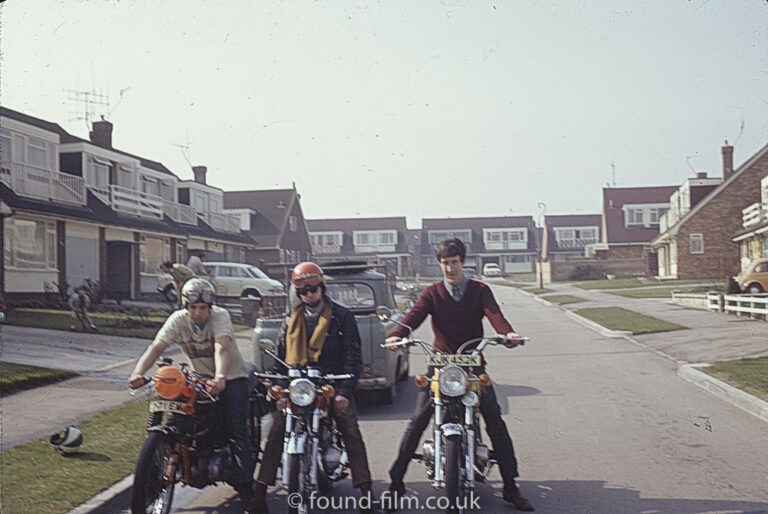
[459,360]
[166,406]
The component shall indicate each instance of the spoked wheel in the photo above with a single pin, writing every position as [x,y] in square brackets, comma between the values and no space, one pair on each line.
[155,476]
[453,482]
[295,485]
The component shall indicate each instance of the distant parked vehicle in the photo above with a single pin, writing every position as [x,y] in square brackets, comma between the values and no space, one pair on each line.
[754,278]
[233,279]
[491,269]
[470,271]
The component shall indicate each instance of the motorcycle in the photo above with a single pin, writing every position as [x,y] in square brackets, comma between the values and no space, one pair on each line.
[186,440]
[456,457]
[313,449]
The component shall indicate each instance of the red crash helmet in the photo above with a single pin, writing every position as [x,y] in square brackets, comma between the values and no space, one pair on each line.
[307,274]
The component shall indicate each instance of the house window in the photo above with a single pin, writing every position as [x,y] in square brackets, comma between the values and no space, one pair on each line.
[374,241]
[36,154]
[125,176]
[200,201]
[150,185]
[166,190]
[697,243]
[30,244]
[635,217]
[97,172]
[6,144]
[293,223]
[437,237]
[153,251]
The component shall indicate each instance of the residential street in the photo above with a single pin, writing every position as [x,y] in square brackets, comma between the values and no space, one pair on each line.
[600,425]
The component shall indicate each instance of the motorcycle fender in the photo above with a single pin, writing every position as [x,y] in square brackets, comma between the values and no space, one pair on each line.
[160,428]
[297,443]
[450,429]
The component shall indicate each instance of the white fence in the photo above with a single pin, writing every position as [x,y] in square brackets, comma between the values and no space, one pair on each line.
[34,182]
[755,306]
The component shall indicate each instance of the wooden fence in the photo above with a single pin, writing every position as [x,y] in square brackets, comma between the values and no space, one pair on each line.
[755,306]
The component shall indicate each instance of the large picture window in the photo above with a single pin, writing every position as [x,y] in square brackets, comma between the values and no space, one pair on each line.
[30,244]
[153,251]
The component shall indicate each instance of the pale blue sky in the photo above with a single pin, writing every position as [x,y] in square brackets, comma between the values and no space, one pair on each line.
[415,108]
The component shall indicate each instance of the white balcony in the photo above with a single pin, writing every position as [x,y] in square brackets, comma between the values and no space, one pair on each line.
[180,213]
[575,243]
[506,245]
[25,180]
[375,248]
[326,249]
[223,222]
[129,201]
[754,214]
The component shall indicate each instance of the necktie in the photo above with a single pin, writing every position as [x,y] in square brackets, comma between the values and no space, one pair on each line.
[456,292]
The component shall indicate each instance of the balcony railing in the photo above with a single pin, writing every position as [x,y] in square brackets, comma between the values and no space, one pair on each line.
[35,182]
[327,249]
[368,248]
[223,222]
[754,214]
[180,213]
[575,243]
[506,245]
[130,201]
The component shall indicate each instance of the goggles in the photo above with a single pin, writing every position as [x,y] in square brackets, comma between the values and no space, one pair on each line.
[307,280]
[301,291]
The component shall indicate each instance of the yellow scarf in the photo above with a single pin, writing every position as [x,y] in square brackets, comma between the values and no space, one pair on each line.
[297,351]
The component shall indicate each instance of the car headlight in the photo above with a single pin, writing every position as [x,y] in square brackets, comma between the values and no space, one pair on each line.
[302,392]
[453,381]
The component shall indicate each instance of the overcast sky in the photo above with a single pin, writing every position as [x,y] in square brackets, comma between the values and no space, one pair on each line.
[405,108]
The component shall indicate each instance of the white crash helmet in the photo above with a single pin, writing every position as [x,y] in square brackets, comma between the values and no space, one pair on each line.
[197,290]
[67,441]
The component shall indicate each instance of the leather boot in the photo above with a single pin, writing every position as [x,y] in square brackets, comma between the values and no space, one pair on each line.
[512,495]
[259,499]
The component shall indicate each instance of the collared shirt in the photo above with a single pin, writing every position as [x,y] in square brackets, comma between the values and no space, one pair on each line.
[462,287]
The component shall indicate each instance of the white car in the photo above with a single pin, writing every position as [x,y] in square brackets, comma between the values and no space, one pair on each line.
[233,279]
[491,269]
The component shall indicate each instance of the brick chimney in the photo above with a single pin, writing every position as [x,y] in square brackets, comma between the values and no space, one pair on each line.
[701,174]
[727,160]
[199,172]
[102,133]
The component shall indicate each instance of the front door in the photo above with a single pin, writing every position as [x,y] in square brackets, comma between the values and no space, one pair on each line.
[119,269]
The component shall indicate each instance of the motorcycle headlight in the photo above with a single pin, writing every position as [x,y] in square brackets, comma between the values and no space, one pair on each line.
[302,392]
[453,381]
[470,399]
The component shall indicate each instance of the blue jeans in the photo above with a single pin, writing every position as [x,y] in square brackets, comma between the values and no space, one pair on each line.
[235,401]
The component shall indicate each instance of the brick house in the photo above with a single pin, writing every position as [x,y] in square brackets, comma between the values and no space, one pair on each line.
[384,240]
[567,236]
[700,244]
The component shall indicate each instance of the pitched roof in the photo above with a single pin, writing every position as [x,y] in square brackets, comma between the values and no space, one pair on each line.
[351,224]
[271,207]
[615,198]
[476,223]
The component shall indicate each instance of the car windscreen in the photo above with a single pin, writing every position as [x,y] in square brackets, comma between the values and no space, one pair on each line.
[256,272]
[352,295]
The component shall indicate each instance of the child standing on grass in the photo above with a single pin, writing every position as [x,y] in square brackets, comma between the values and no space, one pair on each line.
[79,302]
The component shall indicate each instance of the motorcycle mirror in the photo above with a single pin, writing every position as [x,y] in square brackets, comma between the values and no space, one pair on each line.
[267,345]
[383,313]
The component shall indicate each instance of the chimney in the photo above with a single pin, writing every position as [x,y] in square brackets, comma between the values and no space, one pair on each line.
[701,174]
[727,160]
[102,133]
[199,172]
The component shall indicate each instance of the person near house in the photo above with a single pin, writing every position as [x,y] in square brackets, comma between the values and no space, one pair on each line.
[79,303]
[180,275]
[318,332]
[205,334]
[195,263]
[457,306]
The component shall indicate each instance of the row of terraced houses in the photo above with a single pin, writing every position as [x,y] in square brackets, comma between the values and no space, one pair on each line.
[76,209]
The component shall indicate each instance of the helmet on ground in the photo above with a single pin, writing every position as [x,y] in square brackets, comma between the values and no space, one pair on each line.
[67,441]
[197,290]
[307,274]
[169,382]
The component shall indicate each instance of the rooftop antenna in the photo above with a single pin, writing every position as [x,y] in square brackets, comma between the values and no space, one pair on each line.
[741,125]
[613,174]
[688,160]
[185,152]
[89,99]
[122,95]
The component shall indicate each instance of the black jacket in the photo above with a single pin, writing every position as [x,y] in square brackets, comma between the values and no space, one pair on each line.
[341,351]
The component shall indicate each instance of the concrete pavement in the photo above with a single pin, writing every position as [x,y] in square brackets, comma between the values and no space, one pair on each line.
[711,337]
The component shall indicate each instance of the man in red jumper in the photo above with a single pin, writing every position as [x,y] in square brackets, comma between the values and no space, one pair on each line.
[457,306]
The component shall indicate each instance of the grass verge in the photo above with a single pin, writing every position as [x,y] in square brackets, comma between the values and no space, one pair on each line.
[18,377]
[616,318]
[664,292]
[563,299]
[749,375]
[538,290]
[36,478]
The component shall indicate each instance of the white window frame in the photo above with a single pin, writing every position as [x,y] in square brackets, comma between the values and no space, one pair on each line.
[149,264]
[374,240]
[697,243]
[643,215]
[15,244]
[97,172]
[435,237]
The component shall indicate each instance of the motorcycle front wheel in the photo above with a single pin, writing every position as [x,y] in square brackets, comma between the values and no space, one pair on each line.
[453,463]
[294,484]
[155,476]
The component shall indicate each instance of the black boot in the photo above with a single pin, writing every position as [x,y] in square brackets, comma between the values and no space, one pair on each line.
[396,492]
[371,502]
[512,495]
[259,499]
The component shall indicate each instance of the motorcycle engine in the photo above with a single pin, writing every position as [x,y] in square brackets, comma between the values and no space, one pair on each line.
[210,468]
[481,455]
[428,450]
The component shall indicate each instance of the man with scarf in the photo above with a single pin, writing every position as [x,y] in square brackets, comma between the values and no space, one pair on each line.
[322,333]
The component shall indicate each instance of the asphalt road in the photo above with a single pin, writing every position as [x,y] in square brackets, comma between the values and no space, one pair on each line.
[600,425]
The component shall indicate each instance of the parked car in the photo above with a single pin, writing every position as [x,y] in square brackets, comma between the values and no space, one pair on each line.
[355,286]
[754,278]
[470,271]
[491,269]
[233,279]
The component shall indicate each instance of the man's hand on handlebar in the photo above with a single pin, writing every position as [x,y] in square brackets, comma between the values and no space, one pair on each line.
[136,381]
[391,340]
[513,339]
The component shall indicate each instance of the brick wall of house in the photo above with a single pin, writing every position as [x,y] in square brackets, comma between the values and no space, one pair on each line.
[622,252]
[718,220]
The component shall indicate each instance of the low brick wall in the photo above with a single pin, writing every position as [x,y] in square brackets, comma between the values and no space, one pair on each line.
[556,271]
[691,300]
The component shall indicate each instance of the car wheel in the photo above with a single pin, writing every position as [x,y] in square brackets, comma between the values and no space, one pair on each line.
[755,289]
[251,293]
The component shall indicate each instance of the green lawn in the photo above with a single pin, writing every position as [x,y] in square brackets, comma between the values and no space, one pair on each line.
[665,291]
[538,290]
[563,299]
[620,283]
[18,377]
[36,478]
[749,375]
[616,318]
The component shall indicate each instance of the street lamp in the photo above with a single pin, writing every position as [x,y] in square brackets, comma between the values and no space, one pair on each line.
[542,209]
